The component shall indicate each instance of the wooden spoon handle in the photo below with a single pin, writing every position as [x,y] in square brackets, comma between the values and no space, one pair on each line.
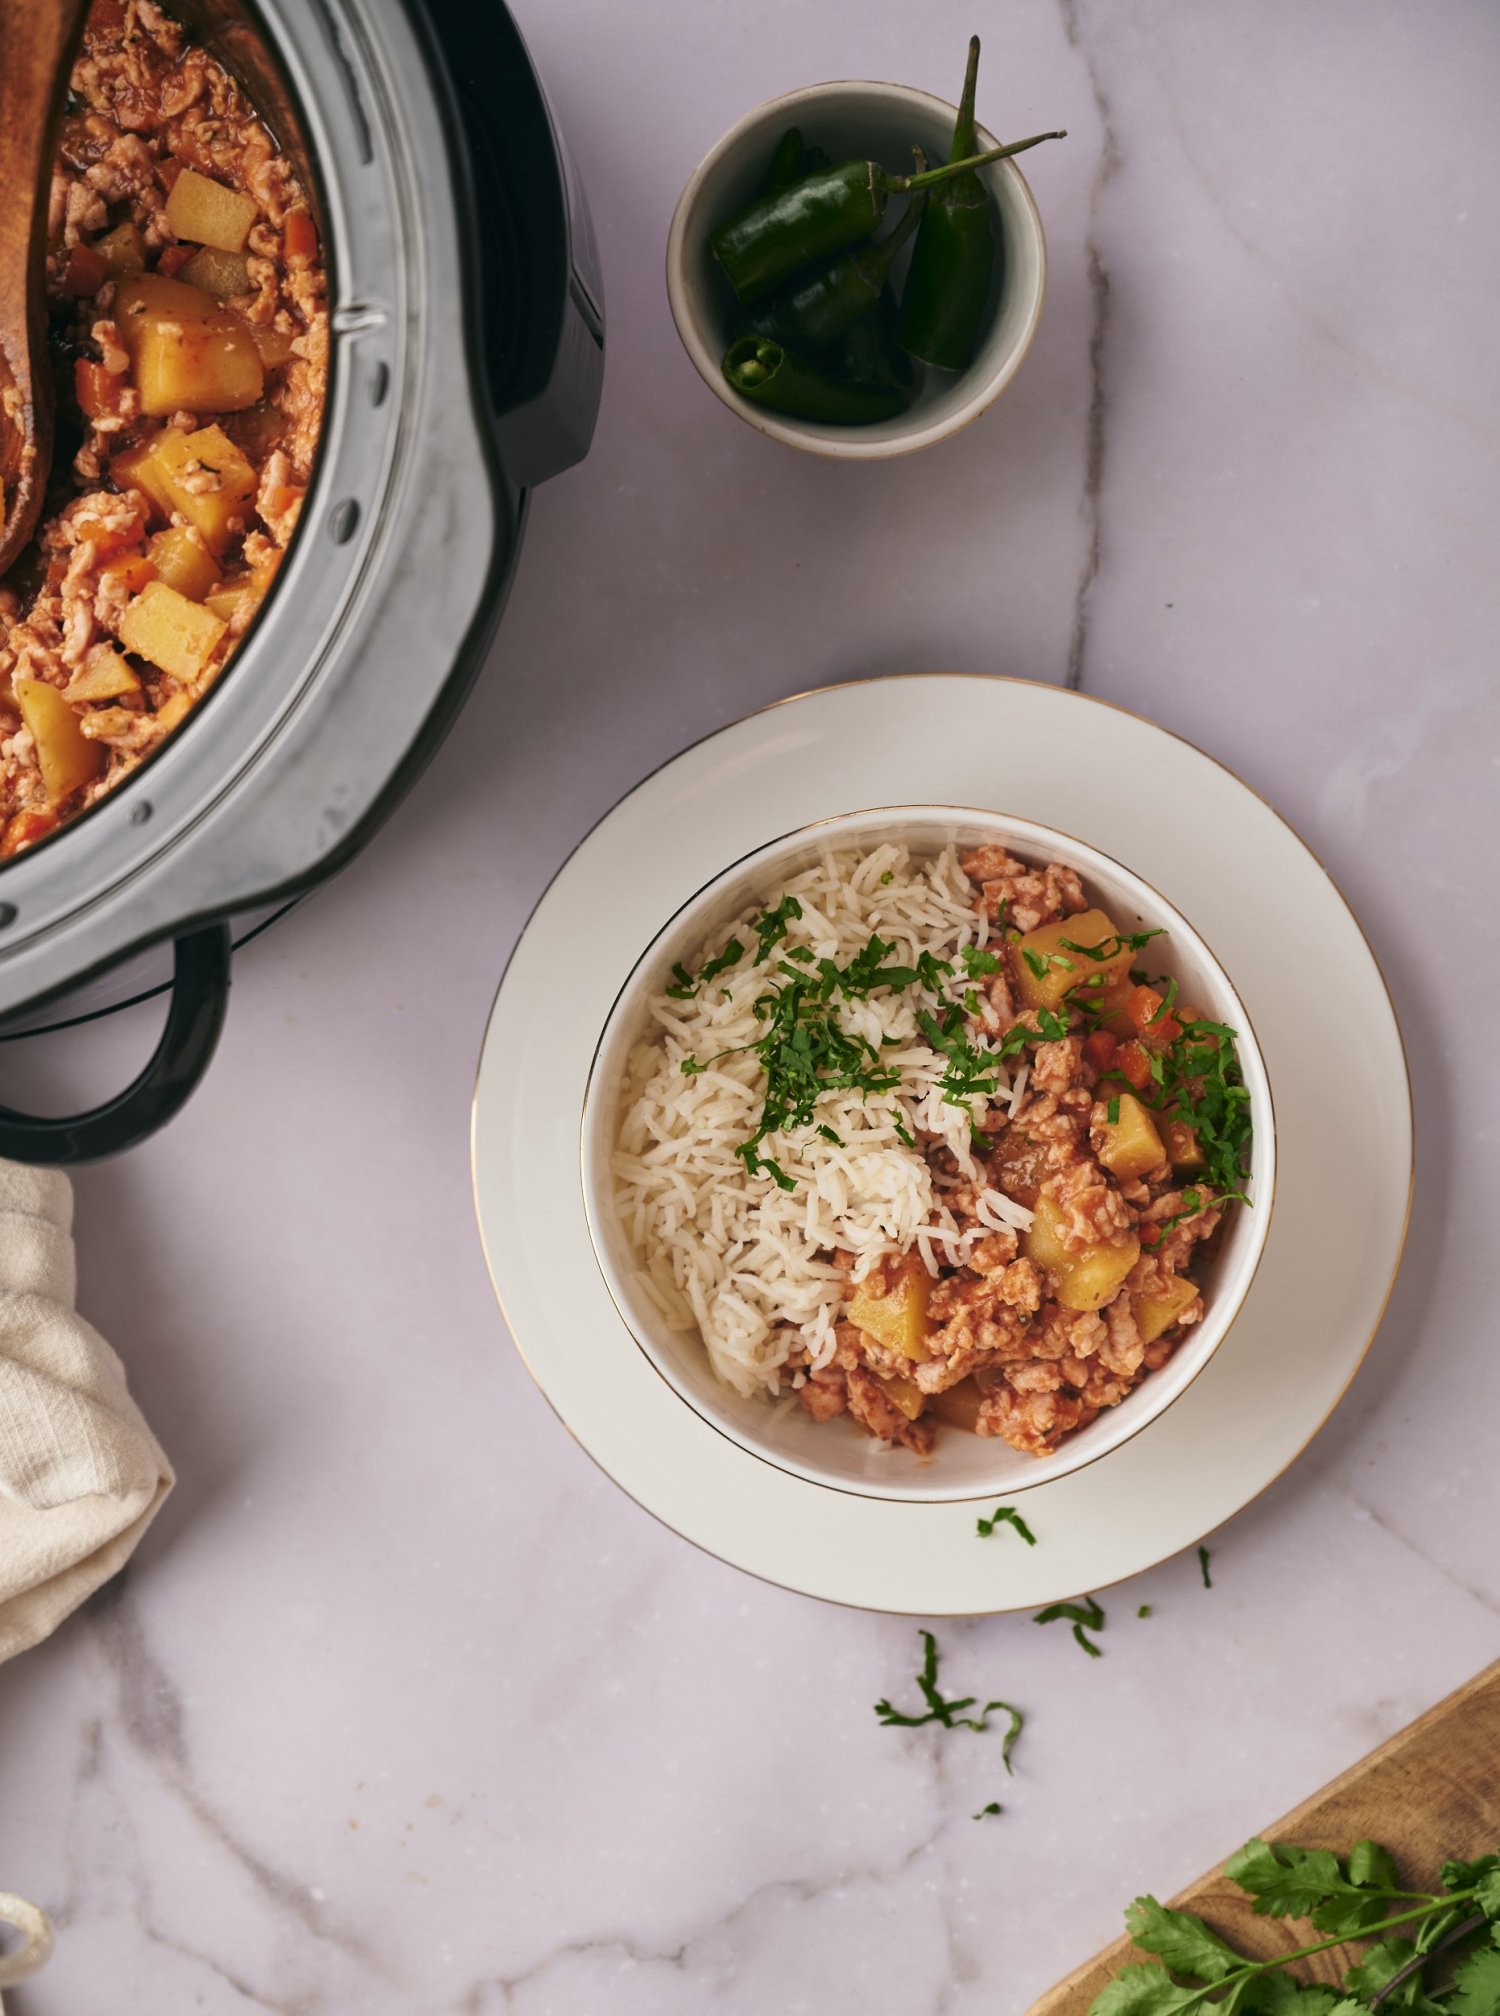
[37,41]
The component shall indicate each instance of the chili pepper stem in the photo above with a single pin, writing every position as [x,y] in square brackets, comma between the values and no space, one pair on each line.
[963,130]
[905,183]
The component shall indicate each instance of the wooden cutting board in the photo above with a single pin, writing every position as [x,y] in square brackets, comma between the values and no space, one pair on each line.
[1431,1792]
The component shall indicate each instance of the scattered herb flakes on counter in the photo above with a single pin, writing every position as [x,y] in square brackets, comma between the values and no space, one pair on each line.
[993,1807]
[1144,1611]
[1204,1558]
[949,1713]
[1004,1515]
[1084,1617]
[1355,1898]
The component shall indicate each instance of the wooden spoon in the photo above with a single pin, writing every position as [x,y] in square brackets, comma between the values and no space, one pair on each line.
[37,42]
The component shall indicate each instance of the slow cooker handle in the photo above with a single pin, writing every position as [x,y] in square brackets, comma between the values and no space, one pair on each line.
[200,995]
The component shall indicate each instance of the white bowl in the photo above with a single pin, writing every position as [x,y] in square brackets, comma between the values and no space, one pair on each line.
[837,1453]
[853,121]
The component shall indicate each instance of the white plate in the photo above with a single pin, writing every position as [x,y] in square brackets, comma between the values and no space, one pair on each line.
[1292,948]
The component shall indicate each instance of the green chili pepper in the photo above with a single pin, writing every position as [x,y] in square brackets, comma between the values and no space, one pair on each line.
[817,313]
[872,356]
[770,375]
[786,163]
[953,262]
[823,214]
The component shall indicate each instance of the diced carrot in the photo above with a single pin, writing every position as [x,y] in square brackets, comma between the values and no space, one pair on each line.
[300,235]
[1144,1007]
[24,830]
[1101,1049]
[174,258]
[84,274]
[98,391]
[1135,1064]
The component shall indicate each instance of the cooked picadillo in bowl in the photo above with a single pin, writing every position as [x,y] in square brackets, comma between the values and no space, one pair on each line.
[189,335]
[933,1137]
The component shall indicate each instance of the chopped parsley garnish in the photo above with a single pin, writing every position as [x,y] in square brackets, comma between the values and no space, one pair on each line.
[949,1713]
[887,878]
[1112,1111]
[979,963]
[1201,1085]
[993,1807]
[1203,1560]
[770,926]
[1084,1617]
[687,986]
[1111,948]
[1041,962]
[804,1053]
[903,1132]
[829,1135]
[1166,1004]
[970,1072]
[1005,1515]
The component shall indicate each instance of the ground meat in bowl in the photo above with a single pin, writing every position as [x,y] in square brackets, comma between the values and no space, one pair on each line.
[189,336]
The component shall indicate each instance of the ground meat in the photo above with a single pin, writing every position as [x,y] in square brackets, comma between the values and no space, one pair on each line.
[824,1394]
[1029,896]
[144,105]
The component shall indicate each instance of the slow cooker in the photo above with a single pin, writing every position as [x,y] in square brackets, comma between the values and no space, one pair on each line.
[467,346]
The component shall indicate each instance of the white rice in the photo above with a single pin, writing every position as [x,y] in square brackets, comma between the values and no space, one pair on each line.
[734,1255]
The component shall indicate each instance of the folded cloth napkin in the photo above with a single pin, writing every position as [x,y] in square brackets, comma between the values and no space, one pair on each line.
[81,1475]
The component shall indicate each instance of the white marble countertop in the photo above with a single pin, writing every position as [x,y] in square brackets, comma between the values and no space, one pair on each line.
[402,1708]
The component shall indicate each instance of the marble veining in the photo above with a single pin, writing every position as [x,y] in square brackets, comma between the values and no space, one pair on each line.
[402,1709]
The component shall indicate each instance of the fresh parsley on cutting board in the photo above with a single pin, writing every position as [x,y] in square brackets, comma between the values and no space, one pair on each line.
[1432,1794]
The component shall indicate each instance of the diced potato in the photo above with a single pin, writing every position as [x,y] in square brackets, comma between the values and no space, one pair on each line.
[1041,1242]
[206,213]
[105,676]
[959,1406]
[123,251]
[138,469]
[170,631]
[222,274]
[183,561]
[174,711]
[1183,1149]
[1155,1313]
[274,345]
[1081,1280]
[1095,1275]
[1062,969]
[229,599]
[1131,1144]
[187,352]
[898,1319]
[903,1394]
[66,757]
[187,463]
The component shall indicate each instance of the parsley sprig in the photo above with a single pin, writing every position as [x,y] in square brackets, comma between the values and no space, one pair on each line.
[949,1713]
[1355,1897]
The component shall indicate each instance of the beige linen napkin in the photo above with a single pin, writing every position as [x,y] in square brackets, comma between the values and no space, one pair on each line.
[81,1475]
